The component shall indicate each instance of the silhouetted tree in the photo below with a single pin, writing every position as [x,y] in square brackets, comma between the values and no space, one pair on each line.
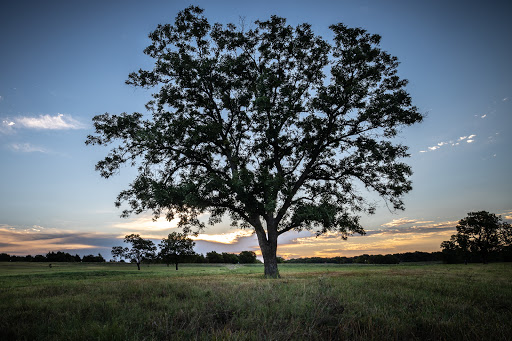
[39,258]
[230,258]
[117,252]
[95,259]
[214,257]
[247,257]
[197,258]
[141,249]
[419,256]
[175,247]
[452,253]
[481,233]
[60,256]
[364,259]
[246,122]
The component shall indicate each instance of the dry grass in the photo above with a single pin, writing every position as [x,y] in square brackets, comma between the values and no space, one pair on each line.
[310,302]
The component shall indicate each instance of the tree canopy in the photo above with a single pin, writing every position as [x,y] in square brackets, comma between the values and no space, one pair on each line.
[270,125]
[141,249]
[480,233]
[175,247]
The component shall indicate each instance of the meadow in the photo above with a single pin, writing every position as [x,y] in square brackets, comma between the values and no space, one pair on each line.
[109,301]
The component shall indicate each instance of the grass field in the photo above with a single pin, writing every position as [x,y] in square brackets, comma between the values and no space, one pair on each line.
[233,302]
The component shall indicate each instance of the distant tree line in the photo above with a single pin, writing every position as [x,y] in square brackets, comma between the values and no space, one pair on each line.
[213,257]
[395,258]
[175,248]
[244,257]
[56,257]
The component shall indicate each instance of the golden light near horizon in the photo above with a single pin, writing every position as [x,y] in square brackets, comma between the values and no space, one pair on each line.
[145,224]
[224,238]
[397,236]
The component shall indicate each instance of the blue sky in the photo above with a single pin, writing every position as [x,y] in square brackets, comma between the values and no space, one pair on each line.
[63,62]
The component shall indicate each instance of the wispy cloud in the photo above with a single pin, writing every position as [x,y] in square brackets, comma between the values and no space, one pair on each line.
[40,240]
[507,215]
[407,226]
[145,224]
[6,126]
[467,138]
[27,148]
[450,143]
[57,122]
[404,221]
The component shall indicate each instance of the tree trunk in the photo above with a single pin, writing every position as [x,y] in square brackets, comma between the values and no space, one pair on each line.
[138,266]
[176,265]
[270,263]
[269,251]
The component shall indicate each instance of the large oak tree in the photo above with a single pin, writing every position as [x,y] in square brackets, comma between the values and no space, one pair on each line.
[270,125]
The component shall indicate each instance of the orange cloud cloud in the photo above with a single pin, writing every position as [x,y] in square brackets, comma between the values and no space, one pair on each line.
[406,235]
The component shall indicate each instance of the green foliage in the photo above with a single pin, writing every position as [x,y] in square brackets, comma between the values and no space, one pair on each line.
[91,258]
[60,256]
[175,248]
[272,125]
[396,258]
[377,259]
[247,257]
[230,258]
[141,249]
[214,257]
[481,234]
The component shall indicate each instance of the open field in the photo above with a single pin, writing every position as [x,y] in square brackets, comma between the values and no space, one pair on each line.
[207,302]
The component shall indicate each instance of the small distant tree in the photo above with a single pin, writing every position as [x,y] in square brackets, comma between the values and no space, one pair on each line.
[230,257]
[175,247]
[94,259]
[142,249]
[247,257]
[481,233]
[214,257]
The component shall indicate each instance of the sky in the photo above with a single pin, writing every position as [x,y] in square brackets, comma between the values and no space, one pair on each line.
[63,62]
